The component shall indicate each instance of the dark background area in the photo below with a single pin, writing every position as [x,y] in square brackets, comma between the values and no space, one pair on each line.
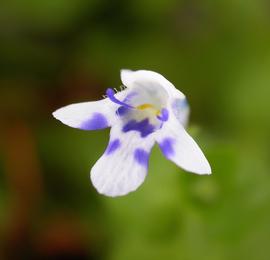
[53,53]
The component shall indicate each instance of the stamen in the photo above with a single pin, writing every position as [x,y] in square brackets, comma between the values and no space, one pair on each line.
[164,116]
[122,87]
[110,93]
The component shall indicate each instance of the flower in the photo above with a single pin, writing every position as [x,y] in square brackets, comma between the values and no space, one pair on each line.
[150,109]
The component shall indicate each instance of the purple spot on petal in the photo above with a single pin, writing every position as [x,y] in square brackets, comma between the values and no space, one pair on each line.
[113,146]
[166,147]
[122,111]
[143,127]
[97,121]
[141,157]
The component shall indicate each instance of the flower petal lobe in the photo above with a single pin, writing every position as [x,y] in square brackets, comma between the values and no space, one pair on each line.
[123,166]
[177,145]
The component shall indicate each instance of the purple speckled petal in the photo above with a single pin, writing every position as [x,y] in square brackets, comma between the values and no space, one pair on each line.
[141,157]
[143,127]
[178,146]
[166,146]
[123,167]
[97,121]
[113,146]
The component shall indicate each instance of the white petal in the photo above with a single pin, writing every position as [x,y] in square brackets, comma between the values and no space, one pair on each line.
[123,167]
[178,146]
[181,111]
[146,78]
[89,115]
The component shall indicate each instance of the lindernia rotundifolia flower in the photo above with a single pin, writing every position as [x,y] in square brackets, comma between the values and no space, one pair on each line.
[150,109]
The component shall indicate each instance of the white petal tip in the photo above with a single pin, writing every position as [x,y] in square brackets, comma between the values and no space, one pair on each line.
[105,191]
[108,187]
[111,194]
[203,171]
[58,114]
[200,172]
[55,114]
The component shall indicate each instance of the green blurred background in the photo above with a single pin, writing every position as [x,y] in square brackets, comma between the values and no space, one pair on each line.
[57,52]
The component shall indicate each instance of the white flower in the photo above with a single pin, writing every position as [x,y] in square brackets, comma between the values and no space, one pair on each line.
[149,110]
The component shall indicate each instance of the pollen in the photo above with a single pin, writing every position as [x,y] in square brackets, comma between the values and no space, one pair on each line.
[148,106]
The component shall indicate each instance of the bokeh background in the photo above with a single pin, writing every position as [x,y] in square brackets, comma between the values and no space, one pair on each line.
[53,53]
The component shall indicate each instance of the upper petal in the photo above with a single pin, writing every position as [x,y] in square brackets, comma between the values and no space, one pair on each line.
[146,78]
[177,145]
[157,87]
[123,167]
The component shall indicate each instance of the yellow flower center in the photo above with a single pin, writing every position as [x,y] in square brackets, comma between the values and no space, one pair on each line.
[148,106]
